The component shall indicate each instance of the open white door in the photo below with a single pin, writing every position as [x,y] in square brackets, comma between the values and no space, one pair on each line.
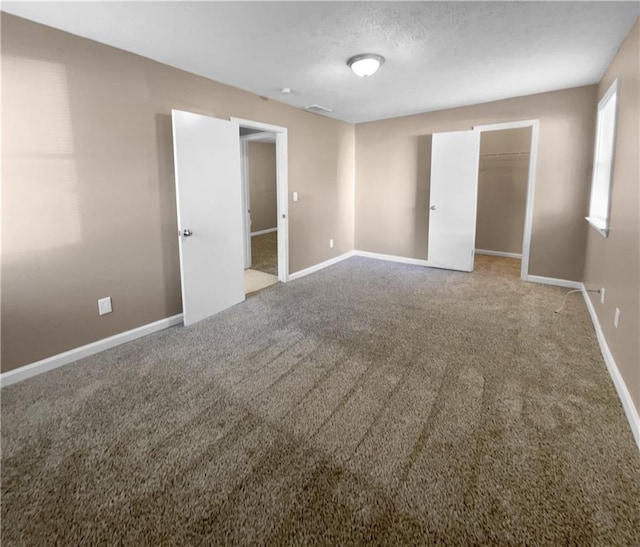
[452,201]
[208,196]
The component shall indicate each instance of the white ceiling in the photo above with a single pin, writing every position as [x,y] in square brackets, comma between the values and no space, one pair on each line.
[438,54]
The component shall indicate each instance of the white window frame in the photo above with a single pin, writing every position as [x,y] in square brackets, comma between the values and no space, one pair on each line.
[602,178]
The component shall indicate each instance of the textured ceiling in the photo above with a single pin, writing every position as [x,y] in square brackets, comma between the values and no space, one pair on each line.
[438,54]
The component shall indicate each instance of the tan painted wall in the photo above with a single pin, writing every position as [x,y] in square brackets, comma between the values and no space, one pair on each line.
[393,166]
[88,186]
[502,189]
[614,262]
[262,184]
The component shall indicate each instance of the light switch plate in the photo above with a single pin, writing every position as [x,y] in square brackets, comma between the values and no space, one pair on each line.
[104,305]
[295,196]
[616,318]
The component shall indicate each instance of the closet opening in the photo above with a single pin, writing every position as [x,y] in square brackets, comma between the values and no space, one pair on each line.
[506,177]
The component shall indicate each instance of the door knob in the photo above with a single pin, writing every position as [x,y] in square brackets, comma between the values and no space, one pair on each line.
[187,233]
[433,207]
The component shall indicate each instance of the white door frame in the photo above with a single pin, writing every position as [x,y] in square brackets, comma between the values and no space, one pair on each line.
[246,202]
[246,186]
[282,189]
[531,182]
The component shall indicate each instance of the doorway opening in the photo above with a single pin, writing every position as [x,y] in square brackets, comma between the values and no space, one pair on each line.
[263,150]
[502,197]
[506,178]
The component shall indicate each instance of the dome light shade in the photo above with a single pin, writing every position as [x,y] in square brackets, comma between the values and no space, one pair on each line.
[365,64]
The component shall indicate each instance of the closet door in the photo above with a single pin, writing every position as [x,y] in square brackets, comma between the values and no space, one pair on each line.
[209,201]
[453,200]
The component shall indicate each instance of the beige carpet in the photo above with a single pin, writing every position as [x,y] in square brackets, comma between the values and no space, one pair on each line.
[255,280]
[264,253]
[368,404]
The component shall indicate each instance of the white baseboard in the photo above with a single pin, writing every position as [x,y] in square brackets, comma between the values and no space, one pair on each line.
[419,262]
[625,397]
[498,253]
[555,282]
[27,371]
[320,266]
[262,232]
[392,258]
[349,254]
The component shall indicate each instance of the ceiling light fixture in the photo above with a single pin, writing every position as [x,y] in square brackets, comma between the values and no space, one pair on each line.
[365,64]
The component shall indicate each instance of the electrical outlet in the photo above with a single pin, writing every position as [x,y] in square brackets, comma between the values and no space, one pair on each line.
[616,318]
[602,295]
[104,305]
[331,244]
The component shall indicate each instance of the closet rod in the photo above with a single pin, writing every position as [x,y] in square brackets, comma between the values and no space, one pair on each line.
[504,154]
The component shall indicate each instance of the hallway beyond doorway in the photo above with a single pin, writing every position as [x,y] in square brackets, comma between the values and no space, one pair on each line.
[264,253]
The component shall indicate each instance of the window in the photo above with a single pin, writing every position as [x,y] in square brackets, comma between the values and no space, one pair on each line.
[603,161]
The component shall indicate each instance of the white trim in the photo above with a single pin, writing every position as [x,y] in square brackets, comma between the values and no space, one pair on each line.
[262,232]
[421,262]
[623,393]
[531,183]
[259,137]
[504,125]
[282,189]
[377,256]
[613,88]
[498,253]
[320,266]
[392,258]
[27,371]
[246,202]
[599,225]
[554,281]
[261,126]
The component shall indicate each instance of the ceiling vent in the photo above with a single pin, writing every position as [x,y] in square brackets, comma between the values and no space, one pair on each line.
[318,109]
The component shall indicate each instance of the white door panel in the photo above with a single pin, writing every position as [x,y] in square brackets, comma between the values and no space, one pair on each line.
[453,199]
[209,202]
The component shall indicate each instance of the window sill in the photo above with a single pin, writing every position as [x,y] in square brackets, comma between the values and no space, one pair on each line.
[598,225]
